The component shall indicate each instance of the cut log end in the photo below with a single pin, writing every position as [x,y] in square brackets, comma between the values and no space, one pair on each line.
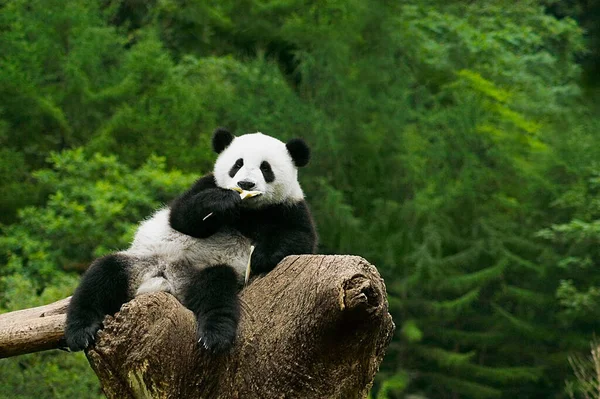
[360,295]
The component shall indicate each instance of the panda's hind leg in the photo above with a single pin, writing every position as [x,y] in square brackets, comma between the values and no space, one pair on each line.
[211,293]
[103,289]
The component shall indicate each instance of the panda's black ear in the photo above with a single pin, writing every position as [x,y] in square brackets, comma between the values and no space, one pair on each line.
[299,151]
[221,139]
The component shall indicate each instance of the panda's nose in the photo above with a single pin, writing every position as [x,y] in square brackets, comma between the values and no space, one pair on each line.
[246,185]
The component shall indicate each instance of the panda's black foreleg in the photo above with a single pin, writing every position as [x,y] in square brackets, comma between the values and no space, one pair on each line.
[201,214]
[103,289]
[211,294]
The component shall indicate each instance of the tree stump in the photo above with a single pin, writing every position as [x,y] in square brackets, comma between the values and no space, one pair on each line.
[315,327]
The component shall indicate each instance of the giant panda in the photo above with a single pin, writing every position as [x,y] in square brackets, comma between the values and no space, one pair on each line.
[198,248]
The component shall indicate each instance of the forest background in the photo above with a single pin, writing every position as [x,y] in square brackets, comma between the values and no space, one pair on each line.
[455,146]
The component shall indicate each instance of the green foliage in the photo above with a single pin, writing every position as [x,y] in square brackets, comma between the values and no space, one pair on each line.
[93,206]
[52,374]
[396,383]
[451,148]
[578,304]
[48,375]
[578,254]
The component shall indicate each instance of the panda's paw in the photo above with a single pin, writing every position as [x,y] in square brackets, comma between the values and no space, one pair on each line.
[80,338]
[217,340]
[226,201]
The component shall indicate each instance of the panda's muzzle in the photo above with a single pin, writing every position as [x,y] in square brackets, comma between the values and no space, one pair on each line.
[246,184]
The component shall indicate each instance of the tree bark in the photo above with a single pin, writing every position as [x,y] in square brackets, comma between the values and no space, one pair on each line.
[33,330]
[315,327]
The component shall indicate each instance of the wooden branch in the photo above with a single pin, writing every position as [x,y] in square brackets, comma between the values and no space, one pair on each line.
[33,330]
[316,326]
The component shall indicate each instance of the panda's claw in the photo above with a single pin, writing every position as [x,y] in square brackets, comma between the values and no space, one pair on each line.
[215,342]
[203,343]
[80,339]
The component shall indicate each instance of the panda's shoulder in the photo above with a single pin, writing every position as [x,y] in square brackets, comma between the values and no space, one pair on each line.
[288,213]
[204,182]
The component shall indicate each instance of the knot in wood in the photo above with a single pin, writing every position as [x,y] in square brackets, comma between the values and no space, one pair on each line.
[359,295]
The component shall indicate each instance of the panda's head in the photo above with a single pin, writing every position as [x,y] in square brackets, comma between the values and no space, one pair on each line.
[257,162]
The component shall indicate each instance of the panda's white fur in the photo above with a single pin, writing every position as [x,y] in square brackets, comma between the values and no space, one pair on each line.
[170,250]
[255,148]
[163,254]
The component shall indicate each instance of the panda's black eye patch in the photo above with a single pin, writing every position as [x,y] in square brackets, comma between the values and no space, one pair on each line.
[267,172]
[236,166]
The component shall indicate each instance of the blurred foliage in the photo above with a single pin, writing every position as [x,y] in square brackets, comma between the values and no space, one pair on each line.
[93,206]
[47,374]
[455,147]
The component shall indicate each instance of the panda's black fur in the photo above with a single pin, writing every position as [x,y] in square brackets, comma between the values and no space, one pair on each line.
[196,247]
